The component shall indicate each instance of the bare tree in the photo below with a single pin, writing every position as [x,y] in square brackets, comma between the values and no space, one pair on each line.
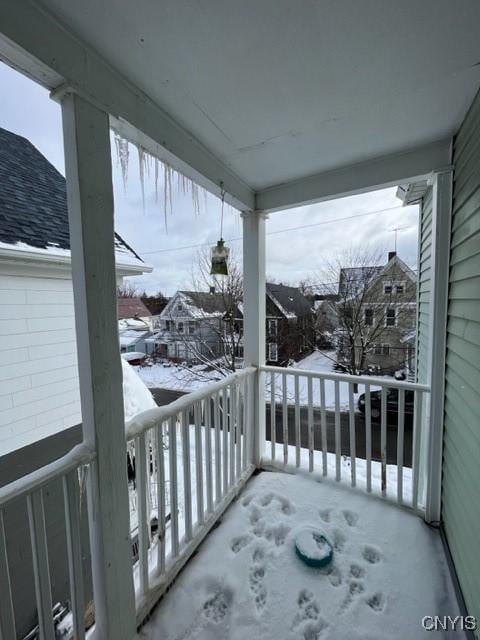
[354,293]
[127,290]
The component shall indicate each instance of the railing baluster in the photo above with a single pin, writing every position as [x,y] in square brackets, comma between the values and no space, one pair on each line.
[141,486]
[244,423]
[238,430]
[273,416]
[310,423]
[71,501]
[172,457]
[208,452]
[7,617]
[199,463]
[187,474]
[400,437]
[368,435]
[298,441]
[285,418]
[41,568]
[225,438]
[383,439]
[323,427]
[233,419]
[351,426]
[338,466]
[160,499]
[417,426]
[218,448]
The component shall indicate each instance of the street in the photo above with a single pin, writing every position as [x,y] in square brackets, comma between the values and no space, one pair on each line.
[165,396]
[345,434]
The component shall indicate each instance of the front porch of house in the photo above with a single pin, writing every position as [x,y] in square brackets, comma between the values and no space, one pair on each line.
[196,460]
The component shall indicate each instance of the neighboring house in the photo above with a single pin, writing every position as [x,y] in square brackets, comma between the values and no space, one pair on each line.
[39,393]
[133,335]
[325,320]
[290,331]
[388,309]
[192,326]
[134,308]
[134,325]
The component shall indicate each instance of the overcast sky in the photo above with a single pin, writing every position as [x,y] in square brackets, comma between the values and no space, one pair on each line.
[293,253]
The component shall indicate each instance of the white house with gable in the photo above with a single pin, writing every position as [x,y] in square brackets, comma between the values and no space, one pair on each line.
[39,389]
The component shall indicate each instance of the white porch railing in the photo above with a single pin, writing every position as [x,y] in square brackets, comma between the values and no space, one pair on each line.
[192,457]
[308,408]
[30,489]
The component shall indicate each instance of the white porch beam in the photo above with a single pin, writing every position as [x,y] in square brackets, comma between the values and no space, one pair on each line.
[90,208]
[57,54]
[385,171]
[254,317]
[440,267]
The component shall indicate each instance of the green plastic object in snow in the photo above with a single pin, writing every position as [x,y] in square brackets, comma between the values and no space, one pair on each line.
[313,548]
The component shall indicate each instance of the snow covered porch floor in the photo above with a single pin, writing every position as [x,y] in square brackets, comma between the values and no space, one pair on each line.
[246,582]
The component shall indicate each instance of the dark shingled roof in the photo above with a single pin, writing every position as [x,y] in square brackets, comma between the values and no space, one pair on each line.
[291,299]
[33,199]
[131,308]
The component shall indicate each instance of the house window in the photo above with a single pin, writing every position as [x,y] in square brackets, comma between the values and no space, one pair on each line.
[377,349]
[387,288]
[386,349]
[191,328]
[369,317]
[168,325]
[180,327]
[399,289]
[179,306]
[272,327]
[390,317]
[273,351]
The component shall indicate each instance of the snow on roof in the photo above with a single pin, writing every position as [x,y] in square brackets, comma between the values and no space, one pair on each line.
[33,207]
[130,337]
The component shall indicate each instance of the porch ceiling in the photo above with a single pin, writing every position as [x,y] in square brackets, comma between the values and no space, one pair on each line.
[278,91]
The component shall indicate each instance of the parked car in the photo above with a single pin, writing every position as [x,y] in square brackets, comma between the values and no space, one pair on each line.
[392,405]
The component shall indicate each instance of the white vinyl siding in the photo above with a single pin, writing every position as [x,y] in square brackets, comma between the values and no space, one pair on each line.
[39,393]
[461,467]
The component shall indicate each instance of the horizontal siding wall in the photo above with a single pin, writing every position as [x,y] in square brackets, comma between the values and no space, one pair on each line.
[424,284]
[461,469]
[39,391]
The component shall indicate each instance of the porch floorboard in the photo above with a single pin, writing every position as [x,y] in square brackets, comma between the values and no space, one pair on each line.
[389,570]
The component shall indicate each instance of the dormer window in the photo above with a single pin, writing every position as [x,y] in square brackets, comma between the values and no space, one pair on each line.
[179,306]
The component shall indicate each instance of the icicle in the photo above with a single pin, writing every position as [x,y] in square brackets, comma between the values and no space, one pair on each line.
[122,148]
[141,168]
[156,180]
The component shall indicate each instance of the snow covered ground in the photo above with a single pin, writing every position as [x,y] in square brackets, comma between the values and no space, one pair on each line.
[189,379]
[388,571]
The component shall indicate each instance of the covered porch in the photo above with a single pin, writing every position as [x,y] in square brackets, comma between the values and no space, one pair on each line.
[196,458]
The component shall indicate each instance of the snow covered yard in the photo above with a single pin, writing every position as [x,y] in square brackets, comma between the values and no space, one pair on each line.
[388,571]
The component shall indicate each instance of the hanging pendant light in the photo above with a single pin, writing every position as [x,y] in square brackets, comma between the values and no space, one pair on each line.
[220,252]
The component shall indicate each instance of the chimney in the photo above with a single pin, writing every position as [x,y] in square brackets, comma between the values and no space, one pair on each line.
[391,254]
[212,290]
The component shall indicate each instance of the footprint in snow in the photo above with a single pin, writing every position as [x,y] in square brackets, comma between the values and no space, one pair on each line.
[308,620]
[371,554]
[351,518]
[376,602]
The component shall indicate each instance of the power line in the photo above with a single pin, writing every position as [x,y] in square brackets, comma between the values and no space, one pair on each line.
[272,233]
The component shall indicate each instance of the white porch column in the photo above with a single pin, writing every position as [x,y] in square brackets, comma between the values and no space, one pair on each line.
[254,316]
[90,208]
[440,267]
